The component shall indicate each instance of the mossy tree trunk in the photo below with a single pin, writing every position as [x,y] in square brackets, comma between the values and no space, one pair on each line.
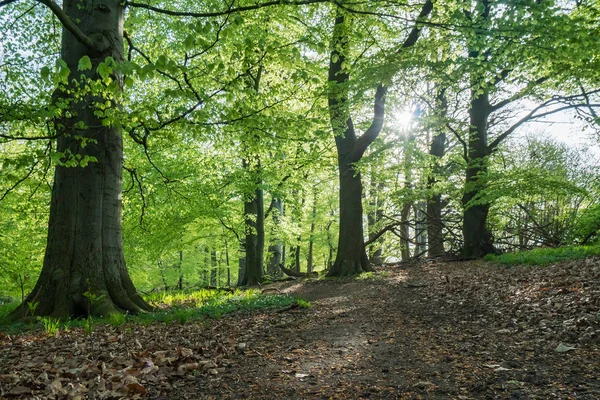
[84,268]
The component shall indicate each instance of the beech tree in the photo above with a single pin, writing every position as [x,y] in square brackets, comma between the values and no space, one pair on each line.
[351,255]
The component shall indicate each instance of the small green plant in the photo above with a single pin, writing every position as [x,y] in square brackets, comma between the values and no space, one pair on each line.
[50,325]
[67,325]
[32,307]
[181,316]
[117,319]
[88,325]
[303,303]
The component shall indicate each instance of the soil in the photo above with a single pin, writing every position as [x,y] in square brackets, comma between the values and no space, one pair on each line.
[466,330]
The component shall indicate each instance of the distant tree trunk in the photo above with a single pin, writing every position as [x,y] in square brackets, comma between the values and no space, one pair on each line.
[275,247]
[374,216]
[404,230]
[161,270]
[329,261]
[228,265]
[84,250]
[180,281]
[437,149]
[242,262]
[309,264]
[213,268]
[408,203]
[420,230]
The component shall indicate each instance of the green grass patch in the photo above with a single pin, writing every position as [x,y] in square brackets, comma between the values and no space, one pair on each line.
[171,307]
[5,309]
[545,256]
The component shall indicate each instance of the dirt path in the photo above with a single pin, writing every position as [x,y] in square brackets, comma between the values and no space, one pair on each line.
[451,331]
[447,331]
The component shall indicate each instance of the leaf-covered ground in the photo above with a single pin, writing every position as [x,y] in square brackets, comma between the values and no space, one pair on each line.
[439,331]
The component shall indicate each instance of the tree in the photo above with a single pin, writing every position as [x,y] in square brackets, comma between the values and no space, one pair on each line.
[351,258]
[84,268]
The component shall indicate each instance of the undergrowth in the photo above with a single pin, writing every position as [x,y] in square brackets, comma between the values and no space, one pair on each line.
[545,256]
[179,307]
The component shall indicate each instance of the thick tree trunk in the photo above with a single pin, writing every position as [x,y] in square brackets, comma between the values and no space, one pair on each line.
[255,239]
[351,258]
[84,268]
[477,238]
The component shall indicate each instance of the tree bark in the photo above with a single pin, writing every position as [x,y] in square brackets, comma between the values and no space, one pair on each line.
[255,239]
[437,149]
[275,246]
[374,216]
[309,264]
[213,268]
[477,238]
[84,268]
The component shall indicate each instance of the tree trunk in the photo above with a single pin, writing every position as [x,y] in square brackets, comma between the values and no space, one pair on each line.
[351,258]
[213,269]
[255,239]
[420,229]
[180,281]
[437,149]
[405,232]
[374,216]
[84,268]
[477,238]
[275,247]
[227,264]
[309,264]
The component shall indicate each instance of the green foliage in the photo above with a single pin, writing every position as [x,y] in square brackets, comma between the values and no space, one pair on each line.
[173,307]
[117,319]
[6,308]
[545,256]
[51,325]
[88,325]
[303,303]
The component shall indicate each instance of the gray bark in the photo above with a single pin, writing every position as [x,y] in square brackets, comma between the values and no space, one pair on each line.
[84,268]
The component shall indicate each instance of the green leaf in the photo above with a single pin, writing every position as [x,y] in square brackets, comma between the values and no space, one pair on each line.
[84,63]
[45,72]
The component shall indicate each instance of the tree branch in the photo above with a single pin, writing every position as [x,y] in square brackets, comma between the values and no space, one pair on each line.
[532,115]
[413,36]
[66,21]
[230,10]
[363,142]
[518,95]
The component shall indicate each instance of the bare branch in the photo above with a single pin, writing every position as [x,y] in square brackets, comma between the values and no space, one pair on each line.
[532,115]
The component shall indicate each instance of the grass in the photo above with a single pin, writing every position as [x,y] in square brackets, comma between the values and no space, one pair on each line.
[178,307]
[545,256]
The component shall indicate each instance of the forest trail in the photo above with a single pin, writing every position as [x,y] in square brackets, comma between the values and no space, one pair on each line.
[432,331]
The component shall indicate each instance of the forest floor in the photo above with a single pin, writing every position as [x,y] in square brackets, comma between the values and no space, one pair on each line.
[430,331]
